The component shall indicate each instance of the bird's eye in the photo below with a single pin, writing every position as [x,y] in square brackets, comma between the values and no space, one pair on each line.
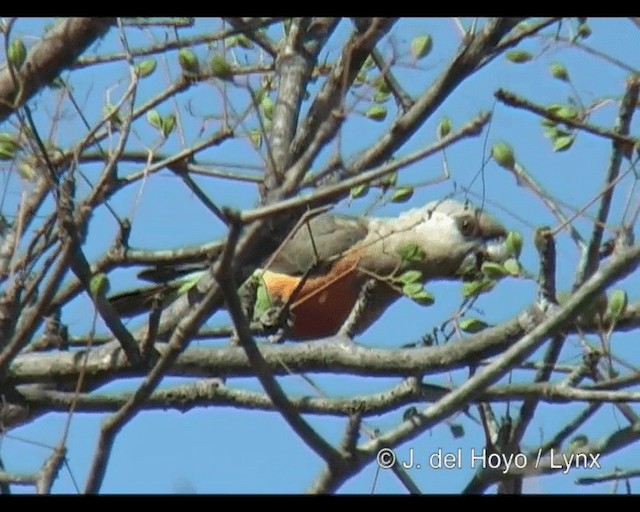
[467,226]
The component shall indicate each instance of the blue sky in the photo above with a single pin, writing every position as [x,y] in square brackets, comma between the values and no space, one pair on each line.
[225,450]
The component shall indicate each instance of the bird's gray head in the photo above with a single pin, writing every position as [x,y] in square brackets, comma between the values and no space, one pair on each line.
[452,234]
[474,235]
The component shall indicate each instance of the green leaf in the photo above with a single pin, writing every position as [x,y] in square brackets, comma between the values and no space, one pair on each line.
[154,119]
[7,152]
[240,40]
[381,97]
[473,325]
[263,301]
[554,107]
[421,46]
[411,252]
[359,191]
[17,52]
[377,112]
[558,71]
[26,171]
[568,112]
[380,84]
[423,298]
[267,105]
[457,430]
[168,125]
[231,41]
[563,143]
[256,138]
[410,289]
[388,180]
[10,140]
[189,282]
[99,285]
[513,243]
[368,63]
[468,271]
[220,67]
[513,267]
[401,194]
[554,132]
[410,276]
[478,287]
[444,128]
[519,56]
[502,153]
[584,31]
[244,41]
[145,67]
[617,304]
[493,270]
[188,61]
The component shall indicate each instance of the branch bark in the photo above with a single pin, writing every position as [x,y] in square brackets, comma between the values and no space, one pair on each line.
[57,51]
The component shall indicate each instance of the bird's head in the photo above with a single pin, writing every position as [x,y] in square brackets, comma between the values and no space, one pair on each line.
[453,236]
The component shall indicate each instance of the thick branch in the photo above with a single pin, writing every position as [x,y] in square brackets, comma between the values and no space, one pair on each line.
[213,393]
[311,357]
[57,51]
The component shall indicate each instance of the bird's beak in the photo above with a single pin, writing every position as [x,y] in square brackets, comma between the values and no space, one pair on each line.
[490,229]
[490,246]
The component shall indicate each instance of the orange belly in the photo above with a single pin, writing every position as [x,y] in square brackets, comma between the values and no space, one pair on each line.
[323,303]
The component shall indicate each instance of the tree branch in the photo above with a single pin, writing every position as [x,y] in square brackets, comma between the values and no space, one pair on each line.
[57,51]
[591,259]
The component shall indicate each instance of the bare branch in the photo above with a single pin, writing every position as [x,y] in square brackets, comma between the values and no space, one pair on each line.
[312,357]
[618,474]
[323,118]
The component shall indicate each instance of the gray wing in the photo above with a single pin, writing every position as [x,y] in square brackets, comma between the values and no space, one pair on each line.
[330,234]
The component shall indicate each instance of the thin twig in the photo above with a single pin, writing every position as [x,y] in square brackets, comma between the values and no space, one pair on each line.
[617,474]
[471,129]
[513,100]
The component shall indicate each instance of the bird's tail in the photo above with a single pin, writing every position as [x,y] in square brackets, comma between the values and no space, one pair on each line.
[135,302]
[170,283]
